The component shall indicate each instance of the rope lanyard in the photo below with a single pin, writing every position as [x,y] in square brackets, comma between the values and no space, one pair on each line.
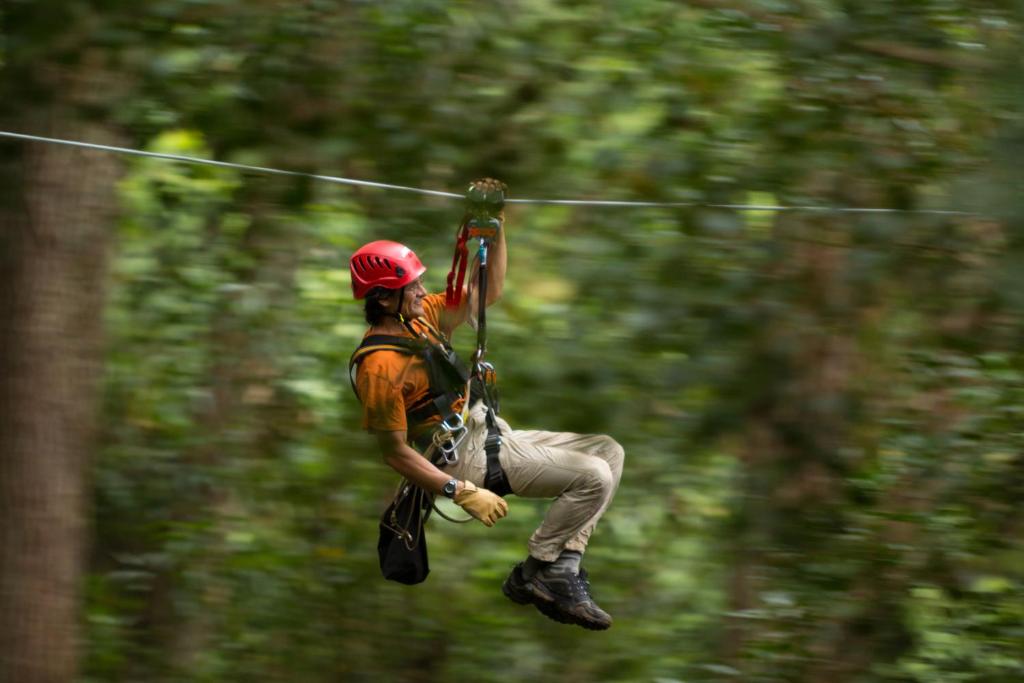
[456,276]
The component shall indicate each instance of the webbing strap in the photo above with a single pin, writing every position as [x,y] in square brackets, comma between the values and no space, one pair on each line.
[438,335]
[456,276]
[495,479]
[379,342]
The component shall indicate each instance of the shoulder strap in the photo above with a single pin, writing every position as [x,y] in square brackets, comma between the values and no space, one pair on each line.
[391,340]
[438,335]
[446,372]
[381,342]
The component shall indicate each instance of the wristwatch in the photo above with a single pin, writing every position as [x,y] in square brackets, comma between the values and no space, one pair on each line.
[449,488]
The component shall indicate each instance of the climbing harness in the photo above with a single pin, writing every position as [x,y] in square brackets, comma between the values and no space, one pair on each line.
[449,383]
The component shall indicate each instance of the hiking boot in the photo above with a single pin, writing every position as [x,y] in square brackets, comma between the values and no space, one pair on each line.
[516,588]
[521,591]
[559,595]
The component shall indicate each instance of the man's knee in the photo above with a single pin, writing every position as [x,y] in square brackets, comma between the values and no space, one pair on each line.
[612,452]
[597,476]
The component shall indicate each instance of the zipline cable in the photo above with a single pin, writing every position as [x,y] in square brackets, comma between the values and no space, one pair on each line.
[225,164]
[738,207]
[451,195]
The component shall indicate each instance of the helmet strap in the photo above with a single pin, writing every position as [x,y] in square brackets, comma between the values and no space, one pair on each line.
[400,296]
[397,315]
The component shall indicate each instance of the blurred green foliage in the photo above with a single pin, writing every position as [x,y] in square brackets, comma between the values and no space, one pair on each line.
[822,412]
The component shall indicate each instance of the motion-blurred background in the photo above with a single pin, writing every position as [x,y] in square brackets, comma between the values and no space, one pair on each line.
[822,411]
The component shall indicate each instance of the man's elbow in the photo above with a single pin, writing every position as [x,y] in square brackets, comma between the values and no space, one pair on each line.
[393,459]
[392,447]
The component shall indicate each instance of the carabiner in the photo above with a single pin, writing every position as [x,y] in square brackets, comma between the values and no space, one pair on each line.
[448,453]
[459,423]
[448,445]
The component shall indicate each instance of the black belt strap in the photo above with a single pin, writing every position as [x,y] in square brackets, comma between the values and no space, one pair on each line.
[495,479]
[439,405]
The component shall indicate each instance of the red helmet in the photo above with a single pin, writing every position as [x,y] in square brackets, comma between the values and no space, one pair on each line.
[383,264]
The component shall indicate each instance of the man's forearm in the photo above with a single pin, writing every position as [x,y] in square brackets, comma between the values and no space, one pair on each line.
[497,263]
[417,469]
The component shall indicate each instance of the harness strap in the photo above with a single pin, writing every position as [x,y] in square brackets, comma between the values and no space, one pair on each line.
[380,342]
[495,479]
[441,405]
[438,402]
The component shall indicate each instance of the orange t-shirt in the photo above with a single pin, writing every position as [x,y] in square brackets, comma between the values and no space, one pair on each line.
[388,381]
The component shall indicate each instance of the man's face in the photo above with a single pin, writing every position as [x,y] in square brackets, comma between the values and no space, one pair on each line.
[412,305]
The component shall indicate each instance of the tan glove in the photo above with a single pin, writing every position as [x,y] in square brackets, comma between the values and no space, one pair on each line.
[486,506]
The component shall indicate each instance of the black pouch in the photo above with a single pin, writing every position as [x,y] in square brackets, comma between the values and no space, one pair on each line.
[402,545]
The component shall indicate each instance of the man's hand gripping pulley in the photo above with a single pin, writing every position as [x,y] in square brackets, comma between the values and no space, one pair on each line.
[485,202]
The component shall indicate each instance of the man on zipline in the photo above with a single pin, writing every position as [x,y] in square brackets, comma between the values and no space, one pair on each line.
[413,391]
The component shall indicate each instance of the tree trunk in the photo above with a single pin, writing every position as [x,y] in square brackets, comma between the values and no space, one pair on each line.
[56,204]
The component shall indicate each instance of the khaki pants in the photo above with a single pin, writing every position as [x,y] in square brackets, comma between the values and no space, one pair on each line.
[581,472]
